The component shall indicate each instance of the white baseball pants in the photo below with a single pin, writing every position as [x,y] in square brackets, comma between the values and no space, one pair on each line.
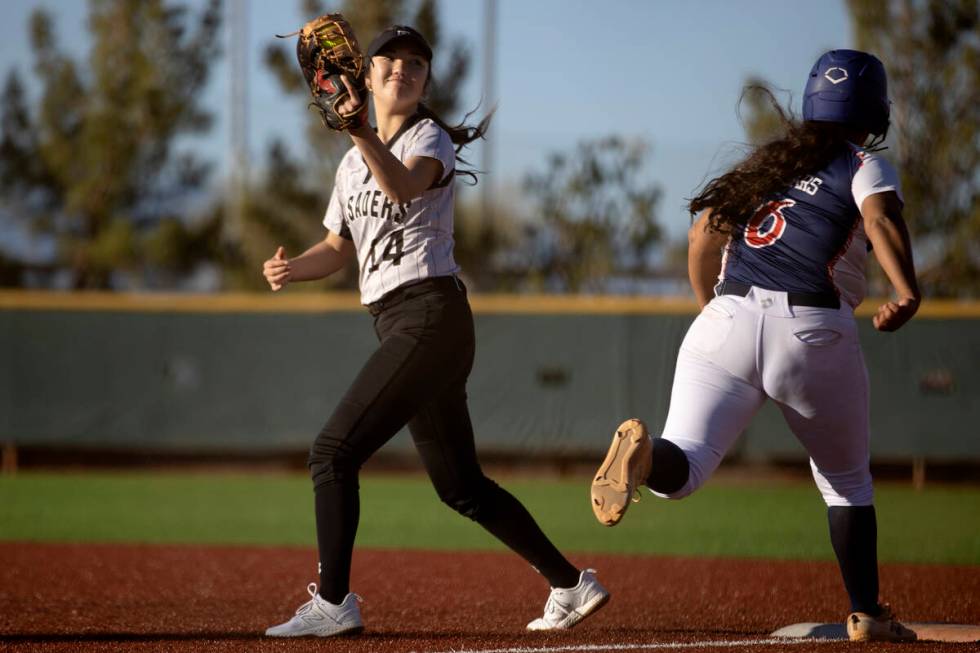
[741,350]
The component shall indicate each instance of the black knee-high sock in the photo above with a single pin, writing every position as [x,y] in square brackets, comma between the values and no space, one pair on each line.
[510,522]
[854,535]
[338,508]
[670,468]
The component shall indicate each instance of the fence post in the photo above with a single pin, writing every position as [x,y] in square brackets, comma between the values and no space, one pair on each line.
[919,472]
[8,459]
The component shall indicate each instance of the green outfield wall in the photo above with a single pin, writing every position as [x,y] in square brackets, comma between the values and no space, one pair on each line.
[553,375]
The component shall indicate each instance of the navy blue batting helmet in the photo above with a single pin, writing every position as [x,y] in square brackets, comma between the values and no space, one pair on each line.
[849,87]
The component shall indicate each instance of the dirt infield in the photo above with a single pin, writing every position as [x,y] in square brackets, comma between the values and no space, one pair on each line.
[64,597]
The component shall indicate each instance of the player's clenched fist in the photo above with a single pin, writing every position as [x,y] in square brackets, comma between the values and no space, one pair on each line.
[276,270]
[893,315]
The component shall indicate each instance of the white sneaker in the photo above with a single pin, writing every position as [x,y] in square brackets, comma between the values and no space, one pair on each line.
[568,606]
[321,618]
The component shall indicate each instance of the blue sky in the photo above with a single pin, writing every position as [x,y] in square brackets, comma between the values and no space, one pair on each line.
[667,71]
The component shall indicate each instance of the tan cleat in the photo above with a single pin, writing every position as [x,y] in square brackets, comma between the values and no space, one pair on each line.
[862,627]
[621,474]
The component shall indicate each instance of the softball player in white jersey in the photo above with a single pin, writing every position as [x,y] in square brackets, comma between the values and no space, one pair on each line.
[776,260]
[397,243]
[392,206]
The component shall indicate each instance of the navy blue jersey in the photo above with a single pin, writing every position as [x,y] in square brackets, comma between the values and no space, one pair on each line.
[810,238]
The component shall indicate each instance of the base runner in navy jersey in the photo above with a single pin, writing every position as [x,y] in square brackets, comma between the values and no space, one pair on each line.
[392,209]
[776,261]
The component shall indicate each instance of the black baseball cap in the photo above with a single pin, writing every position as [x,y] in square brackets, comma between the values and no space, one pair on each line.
[395,32]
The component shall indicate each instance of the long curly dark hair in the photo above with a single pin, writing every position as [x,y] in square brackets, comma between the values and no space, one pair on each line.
[804,148]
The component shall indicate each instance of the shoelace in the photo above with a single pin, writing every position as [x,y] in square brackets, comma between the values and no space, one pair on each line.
[314,597]
[554,607]
[306,607]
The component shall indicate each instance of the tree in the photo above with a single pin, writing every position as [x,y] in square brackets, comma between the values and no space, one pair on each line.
[296,188]
[94,163]
[931,50]
[597,217]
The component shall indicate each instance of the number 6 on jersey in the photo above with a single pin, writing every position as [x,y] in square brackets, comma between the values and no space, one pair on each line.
[761,231]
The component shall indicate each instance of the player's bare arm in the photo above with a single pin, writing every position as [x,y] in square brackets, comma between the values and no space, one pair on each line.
[704,258]
[401,182]
[320,261]
[889,237]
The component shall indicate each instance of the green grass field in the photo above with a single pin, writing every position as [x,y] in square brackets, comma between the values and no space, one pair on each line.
[775,520]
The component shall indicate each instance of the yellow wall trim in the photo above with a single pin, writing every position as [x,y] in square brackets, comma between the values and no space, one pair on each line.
[309,302]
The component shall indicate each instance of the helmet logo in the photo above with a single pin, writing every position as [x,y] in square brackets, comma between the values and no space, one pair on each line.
[835,75]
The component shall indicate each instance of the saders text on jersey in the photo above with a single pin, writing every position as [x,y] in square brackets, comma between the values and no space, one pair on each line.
[375,204]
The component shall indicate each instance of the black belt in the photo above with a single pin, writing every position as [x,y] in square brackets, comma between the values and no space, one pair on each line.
[814,299]
[413,289]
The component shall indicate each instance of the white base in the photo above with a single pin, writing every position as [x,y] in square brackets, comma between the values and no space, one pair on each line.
[925,631]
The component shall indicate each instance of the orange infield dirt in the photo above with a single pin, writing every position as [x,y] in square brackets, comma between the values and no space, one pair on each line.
[81,597]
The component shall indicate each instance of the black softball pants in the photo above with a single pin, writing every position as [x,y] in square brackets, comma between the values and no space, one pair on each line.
[416,377]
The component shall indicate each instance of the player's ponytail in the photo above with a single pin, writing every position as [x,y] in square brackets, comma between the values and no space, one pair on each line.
[804,148]
[461,135]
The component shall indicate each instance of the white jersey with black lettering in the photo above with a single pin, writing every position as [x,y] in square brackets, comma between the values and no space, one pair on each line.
[397,243]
